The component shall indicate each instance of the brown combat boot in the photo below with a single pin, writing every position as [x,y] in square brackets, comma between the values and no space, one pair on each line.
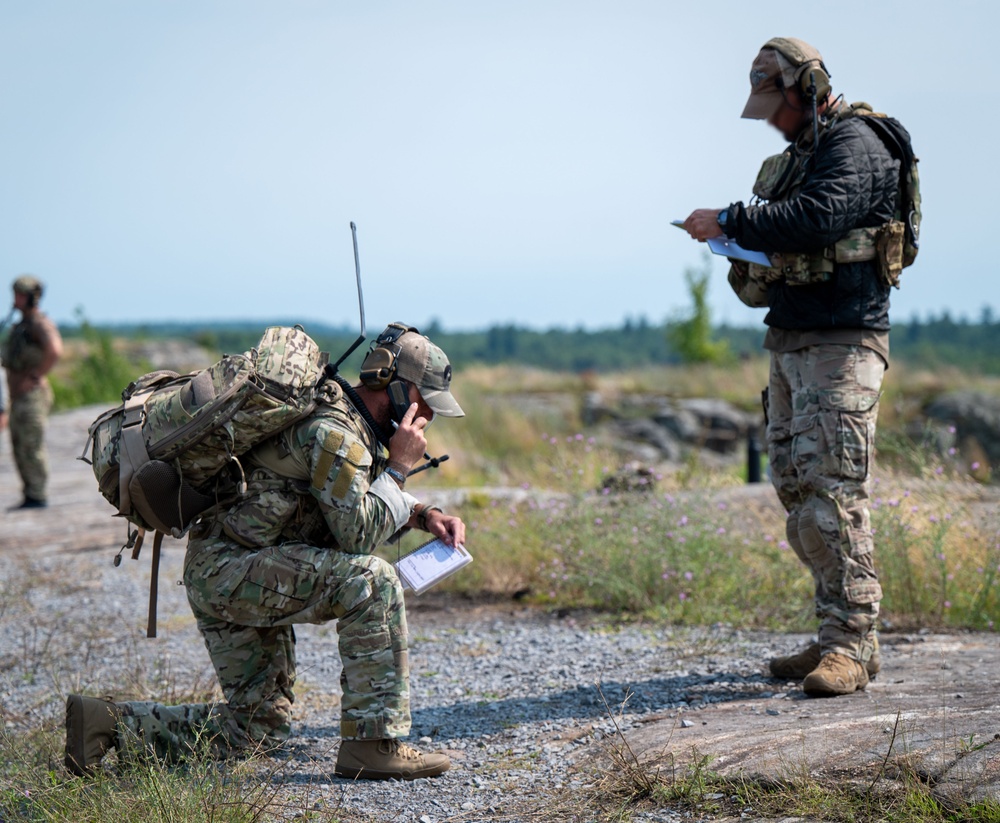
[387,760]
[90,731]
[835,674]
[797,666]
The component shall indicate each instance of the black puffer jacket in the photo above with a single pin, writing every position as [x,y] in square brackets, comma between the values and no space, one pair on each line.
[852,182]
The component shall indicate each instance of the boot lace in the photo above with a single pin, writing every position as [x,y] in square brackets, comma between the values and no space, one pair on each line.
[405,751]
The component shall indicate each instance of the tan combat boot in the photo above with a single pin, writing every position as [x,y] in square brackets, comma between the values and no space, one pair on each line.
[90,731]
[387,760]
[797,666]
[835,674]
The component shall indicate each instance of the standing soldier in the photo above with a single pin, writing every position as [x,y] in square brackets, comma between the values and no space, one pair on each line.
[298,548]
[32,349]
[826,215]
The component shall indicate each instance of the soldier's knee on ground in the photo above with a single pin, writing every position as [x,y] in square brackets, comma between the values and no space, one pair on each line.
[266,725]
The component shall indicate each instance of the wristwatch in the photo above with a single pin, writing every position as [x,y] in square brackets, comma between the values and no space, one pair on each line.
[396,475]
[722,218]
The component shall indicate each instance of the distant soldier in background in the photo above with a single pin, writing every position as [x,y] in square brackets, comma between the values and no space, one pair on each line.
[827,212]
[29,353]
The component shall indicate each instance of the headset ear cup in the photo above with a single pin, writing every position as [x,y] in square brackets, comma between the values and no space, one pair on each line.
[820,77]
[804,66]
[379,368]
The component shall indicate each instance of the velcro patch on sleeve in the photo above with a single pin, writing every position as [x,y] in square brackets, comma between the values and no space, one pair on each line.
[340,471]
[331,445]
[345,478]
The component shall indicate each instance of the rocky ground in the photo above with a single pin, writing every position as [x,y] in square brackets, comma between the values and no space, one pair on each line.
[529,705]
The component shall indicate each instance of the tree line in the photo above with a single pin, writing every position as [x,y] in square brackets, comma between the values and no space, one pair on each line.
[935,341]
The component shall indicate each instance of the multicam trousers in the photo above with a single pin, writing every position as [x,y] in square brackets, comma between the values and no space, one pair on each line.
[822,408]
[28,415]
[246,602]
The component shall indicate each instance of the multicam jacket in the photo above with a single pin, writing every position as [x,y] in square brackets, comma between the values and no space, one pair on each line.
[320,483]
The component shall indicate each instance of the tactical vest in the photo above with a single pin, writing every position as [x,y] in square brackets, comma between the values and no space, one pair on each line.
[21,352]
[780,178]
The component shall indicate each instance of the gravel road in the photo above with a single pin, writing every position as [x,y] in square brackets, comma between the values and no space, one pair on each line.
[514,695]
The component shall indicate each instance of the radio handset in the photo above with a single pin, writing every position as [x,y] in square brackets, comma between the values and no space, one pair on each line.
[399,397]
[400,400]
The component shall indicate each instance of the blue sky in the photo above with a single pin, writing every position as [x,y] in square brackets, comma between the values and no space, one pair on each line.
[505,162]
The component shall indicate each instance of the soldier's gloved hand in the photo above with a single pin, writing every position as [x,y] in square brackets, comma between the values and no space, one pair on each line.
[408,444]
[448,527]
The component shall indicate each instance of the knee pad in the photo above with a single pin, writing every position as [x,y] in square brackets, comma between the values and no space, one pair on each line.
[792,534]
[816,546]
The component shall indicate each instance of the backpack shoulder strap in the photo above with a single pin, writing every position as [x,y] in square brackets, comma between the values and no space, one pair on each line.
[132,452]
[154,575]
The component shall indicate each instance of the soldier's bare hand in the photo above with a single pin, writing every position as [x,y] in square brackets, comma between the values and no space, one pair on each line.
[703,223]
[408,444]
[3,421]
[448,527]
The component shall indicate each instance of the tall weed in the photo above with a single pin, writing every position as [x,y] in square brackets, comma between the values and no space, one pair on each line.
[702,556]
[97,375]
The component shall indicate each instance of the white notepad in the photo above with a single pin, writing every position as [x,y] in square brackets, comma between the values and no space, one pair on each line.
[730,248]
[430,564]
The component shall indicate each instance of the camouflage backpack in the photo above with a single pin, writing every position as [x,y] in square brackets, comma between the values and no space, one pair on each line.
[170,452]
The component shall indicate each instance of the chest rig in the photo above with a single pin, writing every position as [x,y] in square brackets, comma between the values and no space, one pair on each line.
[22,352]
[780,178]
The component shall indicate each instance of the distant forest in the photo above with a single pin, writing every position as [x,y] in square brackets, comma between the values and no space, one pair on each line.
[932,342]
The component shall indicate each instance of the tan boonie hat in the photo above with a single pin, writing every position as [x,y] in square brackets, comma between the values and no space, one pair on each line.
[774,61]
[26,284]
[424,365]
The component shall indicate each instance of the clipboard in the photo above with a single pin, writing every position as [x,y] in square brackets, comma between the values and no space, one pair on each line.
[722,245]
[429,564]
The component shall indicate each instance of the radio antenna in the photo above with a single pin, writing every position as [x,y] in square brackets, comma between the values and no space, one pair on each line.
[332,370]
[812,94]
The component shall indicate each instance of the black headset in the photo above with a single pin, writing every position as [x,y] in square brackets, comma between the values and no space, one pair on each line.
[808,70]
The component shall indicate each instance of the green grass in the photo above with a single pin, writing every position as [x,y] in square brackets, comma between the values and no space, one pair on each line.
[94,372]
[693,557]
[34,787]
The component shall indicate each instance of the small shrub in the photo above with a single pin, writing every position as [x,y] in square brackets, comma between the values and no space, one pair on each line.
[98,376]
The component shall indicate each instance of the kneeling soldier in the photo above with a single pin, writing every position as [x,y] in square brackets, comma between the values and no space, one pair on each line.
[298,549]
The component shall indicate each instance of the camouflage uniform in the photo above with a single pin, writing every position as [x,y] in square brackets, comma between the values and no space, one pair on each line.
[822,408]
[23,353]
[818,216]
[296,549]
